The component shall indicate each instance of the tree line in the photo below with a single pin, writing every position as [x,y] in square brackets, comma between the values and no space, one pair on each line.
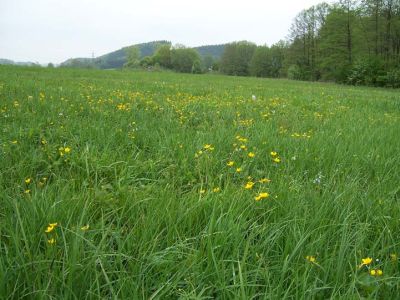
[349,41]
[354,42]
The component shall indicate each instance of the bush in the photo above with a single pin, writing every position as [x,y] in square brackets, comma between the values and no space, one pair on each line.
[296,72]
[366,72]
[392,78]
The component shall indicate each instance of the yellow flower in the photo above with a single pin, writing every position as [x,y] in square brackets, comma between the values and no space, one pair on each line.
[366,261]
[273,153]
[51,241]
[311,258]
[264,180]
[251,154]
[261,196]
[84,228]
[376,272]
[393,257]
[28,180]
[51,227]
[202,191]
[243,147]
[372,272]
[14,142]
[277,160]
[67,149]
[216,190]
[238,170]
[230,163]
[249,185]
[27,191]
[208,147]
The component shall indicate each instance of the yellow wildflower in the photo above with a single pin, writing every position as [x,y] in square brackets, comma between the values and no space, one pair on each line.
[28,180]
[67,149]
[393,257]
[273,153]
[276,160]
[27,191]
[51,241]
[366,261]
[202,191]
[376,272]
[261,196]
[249,185]
[84,228]
[311,258]
[238,170]
[264,180]
[251,154]
[372,272]
[50,227]
[230,163]
[208,147]
[216,190]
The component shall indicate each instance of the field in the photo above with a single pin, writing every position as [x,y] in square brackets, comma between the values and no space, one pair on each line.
[146,185]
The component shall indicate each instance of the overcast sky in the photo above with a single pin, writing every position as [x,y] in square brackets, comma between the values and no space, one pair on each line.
[55,30]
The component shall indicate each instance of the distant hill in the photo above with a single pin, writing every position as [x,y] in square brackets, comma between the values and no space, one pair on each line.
[116,59]
[4,61]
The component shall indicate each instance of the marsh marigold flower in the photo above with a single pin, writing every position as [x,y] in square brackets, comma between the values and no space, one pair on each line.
[251,154]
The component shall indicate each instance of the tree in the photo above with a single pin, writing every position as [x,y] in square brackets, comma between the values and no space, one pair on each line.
[261,62]
[185,60]
[237,57]
[163,56]
[133,57]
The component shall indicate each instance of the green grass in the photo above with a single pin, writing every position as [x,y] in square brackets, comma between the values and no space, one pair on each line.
[157,228]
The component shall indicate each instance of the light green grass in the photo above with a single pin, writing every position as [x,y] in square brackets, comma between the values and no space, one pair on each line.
[133,177]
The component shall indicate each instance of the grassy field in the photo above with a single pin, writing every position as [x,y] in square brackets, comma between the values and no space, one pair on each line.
[141,185]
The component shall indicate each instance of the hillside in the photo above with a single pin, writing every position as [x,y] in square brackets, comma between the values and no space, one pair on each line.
[4,61]
[116,59]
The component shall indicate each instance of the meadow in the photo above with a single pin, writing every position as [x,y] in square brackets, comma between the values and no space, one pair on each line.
[156,185]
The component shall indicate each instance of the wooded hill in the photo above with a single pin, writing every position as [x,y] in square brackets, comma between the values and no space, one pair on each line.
[118,58]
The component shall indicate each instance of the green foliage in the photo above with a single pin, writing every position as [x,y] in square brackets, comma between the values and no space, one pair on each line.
[163,56]
[392,78]
[185,60]
[261,62]
[133,57]
[237,57]
[367,72]
[147,61]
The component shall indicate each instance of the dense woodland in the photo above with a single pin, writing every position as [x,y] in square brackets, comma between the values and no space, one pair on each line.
[354,42]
